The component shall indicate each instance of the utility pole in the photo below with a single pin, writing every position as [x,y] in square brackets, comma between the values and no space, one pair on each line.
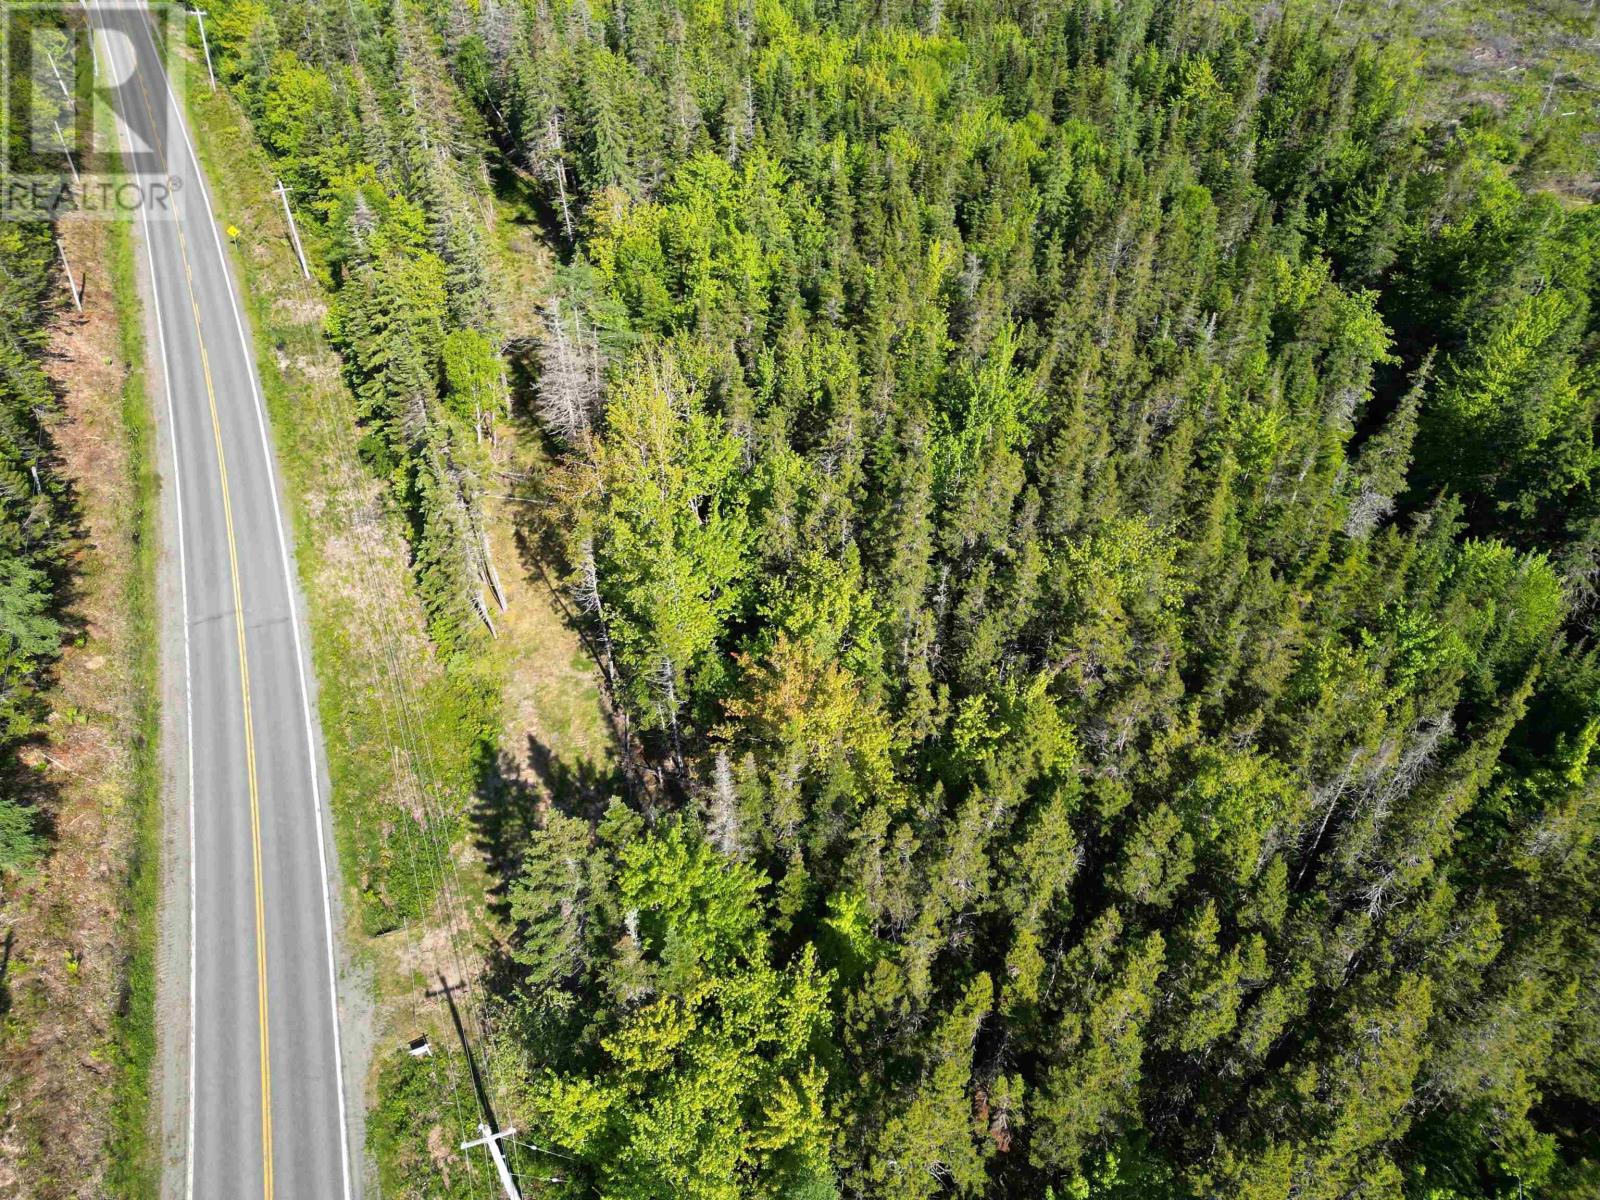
[67,150]
[489,1128]
[94,41]
[77,296]
[200,15]
[56,71]
[294,234]
[492,1140]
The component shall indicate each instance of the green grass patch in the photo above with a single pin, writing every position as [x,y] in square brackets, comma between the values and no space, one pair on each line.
[417,1095]
[134,1166]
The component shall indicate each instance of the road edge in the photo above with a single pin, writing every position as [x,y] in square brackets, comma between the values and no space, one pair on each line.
[351,982]
[162,933]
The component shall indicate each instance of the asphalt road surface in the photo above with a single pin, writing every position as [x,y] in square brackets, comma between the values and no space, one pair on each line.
[266,1104]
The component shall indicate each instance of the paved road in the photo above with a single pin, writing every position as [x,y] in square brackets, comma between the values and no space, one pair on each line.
[266,1099]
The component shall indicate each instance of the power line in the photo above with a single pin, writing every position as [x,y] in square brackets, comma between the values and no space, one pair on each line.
[488,1127]
[420,987]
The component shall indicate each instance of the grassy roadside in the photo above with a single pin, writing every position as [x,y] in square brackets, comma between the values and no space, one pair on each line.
[133,1168]
[380,683]
[133,1161]
[554,742]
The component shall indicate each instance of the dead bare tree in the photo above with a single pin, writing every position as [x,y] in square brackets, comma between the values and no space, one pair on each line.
[569,377]
[549,160]
[722,810]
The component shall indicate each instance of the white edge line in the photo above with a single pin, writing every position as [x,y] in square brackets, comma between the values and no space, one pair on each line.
[124,136]
[247,348]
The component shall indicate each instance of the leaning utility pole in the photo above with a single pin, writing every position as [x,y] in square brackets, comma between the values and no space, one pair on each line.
[56,71]
[77,296]
[200,15]
[488,1127]
[94,42]
[77,180]
[492,1140]
[294,234]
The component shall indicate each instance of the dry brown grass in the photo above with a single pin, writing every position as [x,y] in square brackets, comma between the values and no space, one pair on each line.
[551,700]
[65,920]
[552,707]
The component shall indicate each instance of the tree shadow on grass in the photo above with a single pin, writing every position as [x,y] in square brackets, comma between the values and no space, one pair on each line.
[512,801]
[510,806]
[5,971]
[515,792]
[542,545]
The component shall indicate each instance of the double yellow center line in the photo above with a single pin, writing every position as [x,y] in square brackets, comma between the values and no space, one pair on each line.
[244,663]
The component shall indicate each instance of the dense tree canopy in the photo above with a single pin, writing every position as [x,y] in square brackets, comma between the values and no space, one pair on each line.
[1090,511]
[33,511]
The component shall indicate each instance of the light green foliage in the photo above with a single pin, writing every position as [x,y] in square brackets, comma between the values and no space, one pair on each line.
[703,244]
[714,1088]
[809,725]
[298,119]
[472,374]
[1516,601]
[990,413]
[1114,583]
[669,532]
[712,1093]
[698,911]
[827,607]
[1240,805]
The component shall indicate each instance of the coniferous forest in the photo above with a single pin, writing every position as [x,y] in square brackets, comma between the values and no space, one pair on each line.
[35,517]
[1086,516]
[33,522]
